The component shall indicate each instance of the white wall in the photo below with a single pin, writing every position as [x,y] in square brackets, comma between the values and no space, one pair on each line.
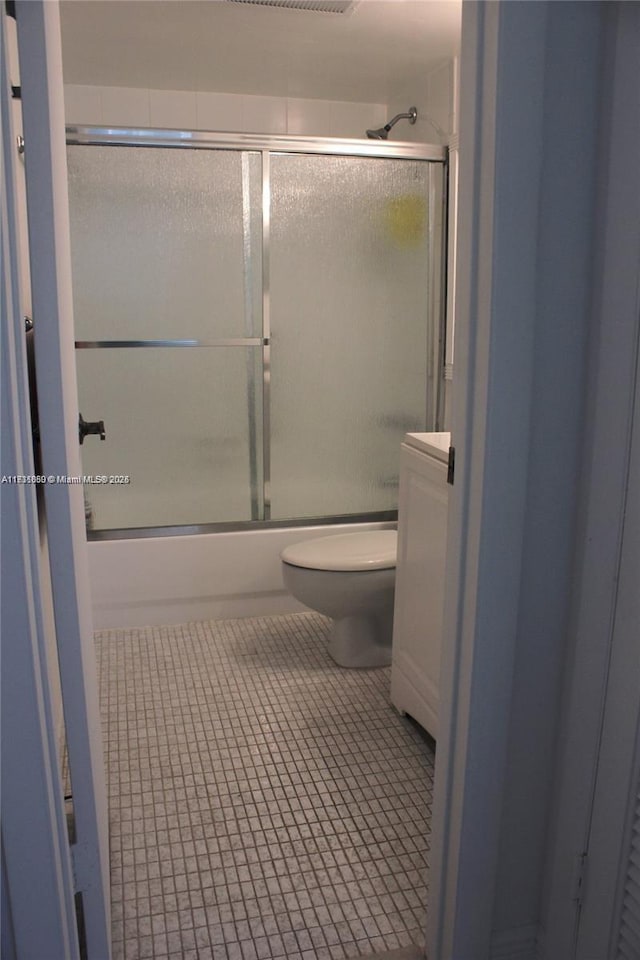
[435,102]
[236,113]
[243,113]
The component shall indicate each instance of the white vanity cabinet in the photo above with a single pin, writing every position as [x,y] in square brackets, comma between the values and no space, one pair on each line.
[419,595]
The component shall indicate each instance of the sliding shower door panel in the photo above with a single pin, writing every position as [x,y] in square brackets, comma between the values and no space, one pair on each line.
[167,282]
[258,326]
[178,427]
[350,316]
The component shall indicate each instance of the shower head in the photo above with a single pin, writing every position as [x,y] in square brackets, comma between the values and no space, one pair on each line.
[382,133]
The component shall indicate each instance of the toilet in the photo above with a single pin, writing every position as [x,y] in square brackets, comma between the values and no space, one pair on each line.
[349,577]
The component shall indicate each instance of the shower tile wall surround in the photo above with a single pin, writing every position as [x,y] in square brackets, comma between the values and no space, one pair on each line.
[264,803]
[201,110]
[254,113]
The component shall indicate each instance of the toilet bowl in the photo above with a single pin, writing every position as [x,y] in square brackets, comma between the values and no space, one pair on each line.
[349,577]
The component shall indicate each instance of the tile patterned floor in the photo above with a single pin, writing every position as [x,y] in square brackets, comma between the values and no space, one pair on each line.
[264,802]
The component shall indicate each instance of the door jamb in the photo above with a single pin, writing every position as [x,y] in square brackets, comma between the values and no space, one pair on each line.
[495,321]
[606,466]
[34,830]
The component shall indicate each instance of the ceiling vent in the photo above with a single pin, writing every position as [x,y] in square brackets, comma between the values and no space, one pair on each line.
[313,6]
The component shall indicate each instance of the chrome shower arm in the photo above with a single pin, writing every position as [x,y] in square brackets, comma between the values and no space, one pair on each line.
[411,116]
[383,132]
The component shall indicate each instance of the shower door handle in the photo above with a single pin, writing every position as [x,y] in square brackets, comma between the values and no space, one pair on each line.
[86,427]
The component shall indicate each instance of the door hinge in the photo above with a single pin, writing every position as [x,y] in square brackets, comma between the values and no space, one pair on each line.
[451,465]
[579,878]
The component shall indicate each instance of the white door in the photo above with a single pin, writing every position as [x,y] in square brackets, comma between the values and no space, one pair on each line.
[47,210]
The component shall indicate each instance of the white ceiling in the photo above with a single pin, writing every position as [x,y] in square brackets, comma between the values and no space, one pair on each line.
[380,48]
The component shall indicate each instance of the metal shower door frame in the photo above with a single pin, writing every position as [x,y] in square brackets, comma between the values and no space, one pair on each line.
[266,145]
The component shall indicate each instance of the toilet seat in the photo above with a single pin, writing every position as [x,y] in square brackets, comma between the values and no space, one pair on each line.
[371,550]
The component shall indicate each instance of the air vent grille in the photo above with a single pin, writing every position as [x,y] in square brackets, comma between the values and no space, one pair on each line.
[312,6]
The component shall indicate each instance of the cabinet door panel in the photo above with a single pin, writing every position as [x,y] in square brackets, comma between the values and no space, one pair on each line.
[417,635]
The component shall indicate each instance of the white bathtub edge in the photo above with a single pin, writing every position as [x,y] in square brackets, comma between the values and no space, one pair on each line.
[170,580]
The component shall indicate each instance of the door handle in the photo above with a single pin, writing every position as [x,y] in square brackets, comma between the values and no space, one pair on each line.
[86,427]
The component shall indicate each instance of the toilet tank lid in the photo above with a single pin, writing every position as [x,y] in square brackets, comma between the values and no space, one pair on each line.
[371,550]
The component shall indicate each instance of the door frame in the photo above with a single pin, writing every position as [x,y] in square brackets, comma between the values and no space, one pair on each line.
[602,631]
[34,829]
[500,182]
[506,217]
[40,56]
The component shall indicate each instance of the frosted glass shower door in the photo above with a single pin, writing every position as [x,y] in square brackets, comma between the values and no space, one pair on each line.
[354,327]
[178,424]
[167,284]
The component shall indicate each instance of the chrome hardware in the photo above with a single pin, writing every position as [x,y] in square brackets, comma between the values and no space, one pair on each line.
[127,344]
[125,136]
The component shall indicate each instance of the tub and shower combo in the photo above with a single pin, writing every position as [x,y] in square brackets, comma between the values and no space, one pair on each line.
[258,323]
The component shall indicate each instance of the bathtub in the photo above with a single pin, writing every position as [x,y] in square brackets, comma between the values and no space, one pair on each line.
[166,580]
